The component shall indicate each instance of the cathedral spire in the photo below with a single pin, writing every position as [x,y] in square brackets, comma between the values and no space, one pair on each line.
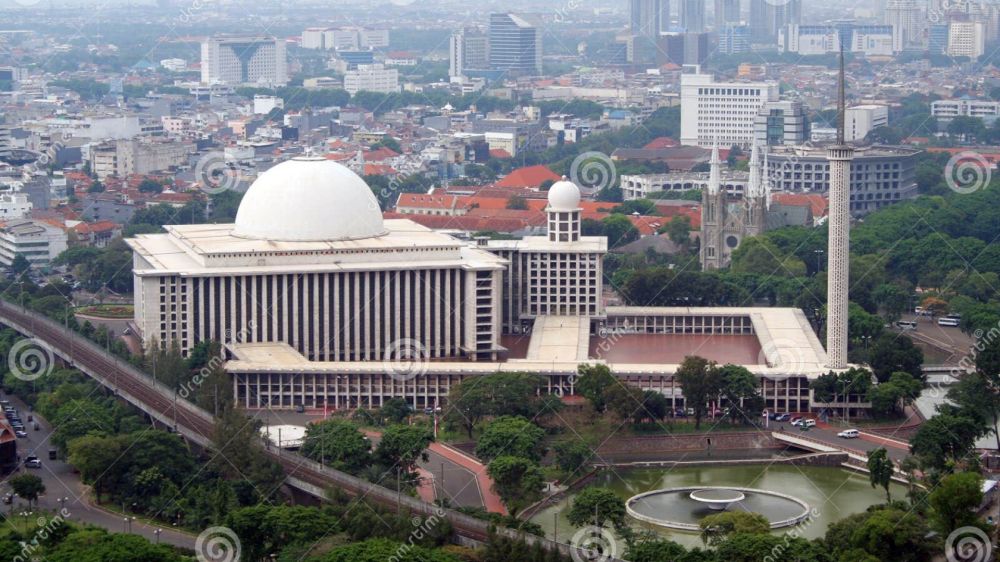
[715,171]
[754,187]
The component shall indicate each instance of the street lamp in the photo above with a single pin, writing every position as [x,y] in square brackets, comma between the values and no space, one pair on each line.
[157,533]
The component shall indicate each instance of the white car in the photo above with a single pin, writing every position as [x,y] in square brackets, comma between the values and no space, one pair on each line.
[849,434]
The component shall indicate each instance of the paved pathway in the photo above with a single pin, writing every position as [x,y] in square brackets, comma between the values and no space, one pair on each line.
[490,499]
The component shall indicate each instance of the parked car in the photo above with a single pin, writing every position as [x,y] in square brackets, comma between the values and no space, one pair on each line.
[680,413]
[796,420]
[948,322]
[849,434]
[782,417]
[32,462]
[20,433]
[808,423]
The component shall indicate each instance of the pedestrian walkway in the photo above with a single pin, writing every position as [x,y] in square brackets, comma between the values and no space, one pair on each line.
[490,498]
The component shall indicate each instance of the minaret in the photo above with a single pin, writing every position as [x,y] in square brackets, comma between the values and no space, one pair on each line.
[838,251]
[564,212]
[712,201]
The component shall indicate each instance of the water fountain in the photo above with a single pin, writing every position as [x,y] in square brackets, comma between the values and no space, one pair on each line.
[683,508]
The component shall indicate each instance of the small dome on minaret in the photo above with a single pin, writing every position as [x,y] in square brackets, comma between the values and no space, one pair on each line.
[564,195]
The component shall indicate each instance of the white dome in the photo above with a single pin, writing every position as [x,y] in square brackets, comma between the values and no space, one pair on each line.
[564,196]
[309,199]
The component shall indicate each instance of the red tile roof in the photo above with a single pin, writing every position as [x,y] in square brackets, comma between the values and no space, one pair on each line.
[532,176]
[819,205]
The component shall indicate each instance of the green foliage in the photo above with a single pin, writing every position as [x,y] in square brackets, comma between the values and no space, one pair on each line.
[880,470]
[740,389]
[337,443]
[517,480]
[403,446]
[956,499]
[496,394]
[619,230]
[718,527]
[598,507]
[893,353]
[510,435]
[882,533]
[28,486]
[891,397]
[572,456]
[832,387]
[380,550]
[944,440]
[700,382]
[593,383]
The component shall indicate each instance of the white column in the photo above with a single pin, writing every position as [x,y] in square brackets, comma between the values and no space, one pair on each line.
[838,254]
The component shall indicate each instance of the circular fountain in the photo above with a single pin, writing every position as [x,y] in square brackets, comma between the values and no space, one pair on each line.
[718,499]
[683,508]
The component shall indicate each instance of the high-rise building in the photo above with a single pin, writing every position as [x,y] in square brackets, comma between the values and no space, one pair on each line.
[726,12]
[966,38]
[768,17]
[734,39]
[371,78]
[230,59]
[906,21]
[684,48]
[649,18]
[515,45]
[839,243]
[691,15]
[468,49]
[781,122]
[722,112]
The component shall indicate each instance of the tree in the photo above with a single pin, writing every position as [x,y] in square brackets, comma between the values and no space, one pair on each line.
[28,486]
[150,186]
[19,264]
[883,533]
[403,446]
[619,230]
[380,550]
[890,397]
[337,443]
[97,545]
[944,439]
[894,352]
[395,410]
[678,230]
[597,506]
[700,382]
[571,456]
[517,480]
[880,470]
[718,527]
[955,500]
[510,435]
[95,187]
[92,455]
[593,383]
[656,551]
[740,390]
[498,394]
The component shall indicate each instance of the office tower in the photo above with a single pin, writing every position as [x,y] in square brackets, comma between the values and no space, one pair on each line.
[734,39]
[781,122]
[722,112]
[767,17]
[515,45]
[966,38]
[904,17]
[692,15]
[231,59]
[838,250]
[649,18]
[684,48]
[726,12]
[468,49]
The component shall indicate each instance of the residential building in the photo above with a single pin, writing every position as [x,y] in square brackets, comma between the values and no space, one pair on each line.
[966,38]
[946,110]
[14,205]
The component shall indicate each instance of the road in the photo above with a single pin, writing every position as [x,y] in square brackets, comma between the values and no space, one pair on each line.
[62,482]
[827,434]
[953,342]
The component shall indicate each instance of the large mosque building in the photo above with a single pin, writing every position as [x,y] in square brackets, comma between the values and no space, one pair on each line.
[323,304]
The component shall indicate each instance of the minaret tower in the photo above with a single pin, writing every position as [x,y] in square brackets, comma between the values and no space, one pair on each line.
[564,212]
[838,251]
[712,214]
